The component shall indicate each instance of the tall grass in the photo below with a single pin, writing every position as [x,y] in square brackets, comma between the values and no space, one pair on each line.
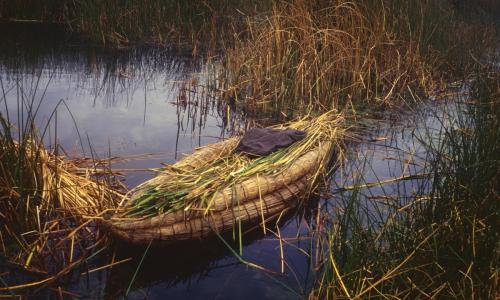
[441,241]
[280,57]
[199,24]
[283,58]
[48,203]
[321,54]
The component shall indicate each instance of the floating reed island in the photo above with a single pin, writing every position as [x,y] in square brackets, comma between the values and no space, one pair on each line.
[217,188]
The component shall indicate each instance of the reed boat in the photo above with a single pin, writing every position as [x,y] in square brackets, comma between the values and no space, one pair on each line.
[192,200]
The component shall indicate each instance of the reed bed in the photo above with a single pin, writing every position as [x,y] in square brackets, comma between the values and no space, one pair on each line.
[286,58]
[197,25]
[359,55]
[439,241]
[196,186]
[48,206]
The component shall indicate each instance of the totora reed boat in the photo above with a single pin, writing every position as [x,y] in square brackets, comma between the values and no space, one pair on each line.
[217,188]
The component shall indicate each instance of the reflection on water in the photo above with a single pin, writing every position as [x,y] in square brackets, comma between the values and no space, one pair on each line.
[208,270]
[146,100]
[102,102]
[128,102]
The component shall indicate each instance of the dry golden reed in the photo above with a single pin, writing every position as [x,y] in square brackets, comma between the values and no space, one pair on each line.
[339,54]
[48,206]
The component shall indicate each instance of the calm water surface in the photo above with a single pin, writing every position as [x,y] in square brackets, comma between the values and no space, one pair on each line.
[130,102]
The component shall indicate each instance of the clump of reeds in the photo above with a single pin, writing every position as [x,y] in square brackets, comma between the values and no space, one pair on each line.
[48,204]
[440,241]
[306,55]
[194,187]
[196,24]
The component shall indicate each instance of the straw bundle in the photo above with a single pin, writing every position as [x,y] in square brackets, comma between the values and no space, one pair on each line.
[177,227]
[58,182]
[215,187]
[45,201]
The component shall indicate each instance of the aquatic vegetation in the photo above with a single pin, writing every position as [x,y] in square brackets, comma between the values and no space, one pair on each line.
[48,204]
[442,240]
[287,57]
[277,60]
[200,25]
[356,55]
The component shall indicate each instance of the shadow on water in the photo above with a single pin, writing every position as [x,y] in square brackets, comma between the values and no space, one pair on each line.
[181,270]
[33,46]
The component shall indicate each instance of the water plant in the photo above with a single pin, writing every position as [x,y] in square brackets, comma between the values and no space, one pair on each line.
[48,202]
[442,239]
[284,59]
[196,24]
[356,55]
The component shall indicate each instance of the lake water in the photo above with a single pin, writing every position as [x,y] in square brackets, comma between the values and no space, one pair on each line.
[133,102]
[144,100]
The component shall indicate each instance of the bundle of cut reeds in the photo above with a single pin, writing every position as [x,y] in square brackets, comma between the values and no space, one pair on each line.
[216,186]
[47,204]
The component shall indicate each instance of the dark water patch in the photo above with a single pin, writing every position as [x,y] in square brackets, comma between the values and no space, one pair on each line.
[209,269]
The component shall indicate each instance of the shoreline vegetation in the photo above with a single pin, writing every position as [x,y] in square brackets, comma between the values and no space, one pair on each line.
[439,240]
[280,60]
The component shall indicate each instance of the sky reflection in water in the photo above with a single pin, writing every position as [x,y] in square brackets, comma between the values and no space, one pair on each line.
[147,100]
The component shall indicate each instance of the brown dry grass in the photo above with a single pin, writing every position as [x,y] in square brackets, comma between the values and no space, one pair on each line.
[48,207]
[307,55]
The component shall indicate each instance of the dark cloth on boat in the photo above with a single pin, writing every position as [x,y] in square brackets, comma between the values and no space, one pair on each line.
[264,141]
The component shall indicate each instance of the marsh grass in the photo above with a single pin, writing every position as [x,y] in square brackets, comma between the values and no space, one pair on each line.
[199,25]
[359,55]
[441,240]
[284,58]
[48,202]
